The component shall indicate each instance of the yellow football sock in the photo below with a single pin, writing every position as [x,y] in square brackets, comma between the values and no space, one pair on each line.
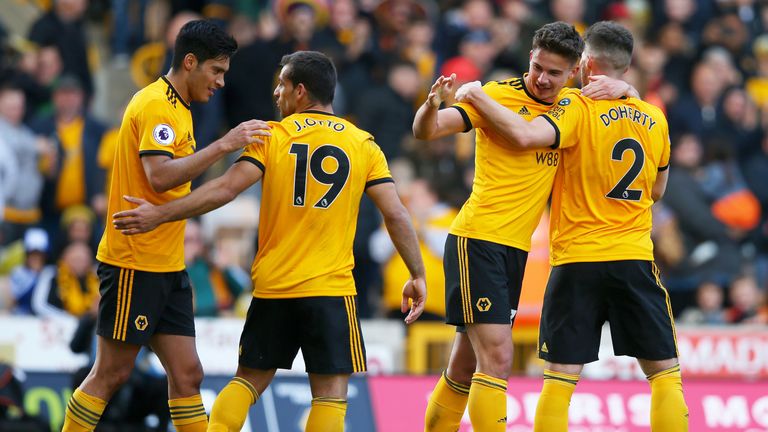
[83,412]
[326,415]
[488,403]
[446,406]
[669,413]
[188,414]
[552,409]
[231,406]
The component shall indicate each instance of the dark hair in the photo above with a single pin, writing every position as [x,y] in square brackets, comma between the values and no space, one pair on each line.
[313,69]
[559,38]
[205,40]
[610,43]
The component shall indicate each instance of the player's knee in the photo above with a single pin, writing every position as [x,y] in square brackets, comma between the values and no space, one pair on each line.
[113,377]
[499,362]
[187,379]
[461,372]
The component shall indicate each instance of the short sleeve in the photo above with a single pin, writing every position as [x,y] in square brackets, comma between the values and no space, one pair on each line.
[256,153]
[378,170]
[469,113]
[156,129]
[665,152]
[566,116]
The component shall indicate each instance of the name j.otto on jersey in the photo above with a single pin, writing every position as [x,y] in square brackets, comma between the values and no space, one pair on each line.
[310,122]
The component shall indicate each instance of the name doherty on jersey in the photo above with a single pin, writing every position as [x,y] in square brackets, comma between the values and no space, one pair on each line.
[629,113]
[310,122]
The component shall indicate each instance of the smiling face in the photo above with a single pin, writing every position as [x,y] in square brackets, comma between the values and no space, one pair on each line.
[206,77]
[547,74]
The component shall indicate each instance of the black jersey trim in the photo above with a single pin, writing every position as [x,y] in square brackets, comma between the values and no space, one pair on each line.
[320,112]
[155,153]
[557,131]
[467,122]
[253,161]
[379,181]
[530,95]
[178,96]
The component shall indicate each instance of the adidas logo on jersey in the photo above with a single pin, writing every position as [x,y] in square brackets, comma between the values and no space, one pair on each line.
[524,111]
[544,348]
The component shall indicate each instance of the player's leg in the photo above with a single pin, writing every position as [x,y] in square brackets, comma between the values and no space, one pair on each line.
[489,280]
[174,343]
[669,411]
[333,348]
[113,366]
[116,350]
[552,409]
[233,402]
[269,341]
[185,373]
[448,400]
[488,394]
[569,336]
[329,402]
[641,298]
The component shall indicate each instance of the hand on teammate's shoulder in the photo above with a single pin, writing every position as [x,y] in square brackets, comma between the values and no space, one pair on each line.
[246,133]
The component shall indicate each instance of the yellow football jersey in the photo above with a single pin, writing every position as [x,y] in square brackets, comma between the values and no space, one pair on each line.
[157,121]
[511,186]
[316,168]
[601,201]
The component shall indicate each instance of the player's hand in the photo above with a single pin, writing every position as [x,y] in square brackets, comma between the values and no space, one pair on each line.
[415,293]
[601,87]
[464,93]
[141,219]
[247,132]
[441,90]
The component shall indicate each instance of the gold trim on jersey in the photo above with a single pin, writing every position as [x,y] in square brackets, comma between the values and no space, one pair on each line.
[656,274]
[355,341]
[466,297]
[123,309]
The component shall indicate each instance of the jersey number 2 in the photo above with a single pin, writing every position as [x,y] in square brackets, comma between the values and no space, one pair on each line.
[337,179]
[621,191]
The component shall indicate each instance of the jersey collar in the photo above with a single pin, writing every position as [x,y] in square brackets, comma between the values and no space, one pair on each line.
[530,95]
[175,92]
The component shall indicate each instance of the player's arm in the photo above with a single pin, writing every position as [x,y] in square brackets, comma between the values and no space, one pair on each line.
[518,132]
[661,184]
[398,223]
[430,121]
[207,197]
[165,173]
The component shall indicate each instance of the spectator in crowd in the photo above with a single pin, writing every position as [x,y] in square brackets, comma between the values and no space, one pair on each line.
[712,250]
[78,225]
[64,27]
[28,152]
[9,175]
[25,277]
[216,285]
[68,288]
[696,112]
[747,302]
[708,309]
[473,16]
[78,178]
[389,119]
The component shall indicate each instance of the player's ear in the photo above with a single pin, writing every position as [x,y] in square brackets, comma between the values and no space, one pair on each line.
[301,90]
[190,61]
[574,72]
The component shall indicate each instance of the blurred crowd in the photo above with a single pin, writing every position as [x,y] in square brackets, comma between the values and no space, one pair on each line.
[704,62]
